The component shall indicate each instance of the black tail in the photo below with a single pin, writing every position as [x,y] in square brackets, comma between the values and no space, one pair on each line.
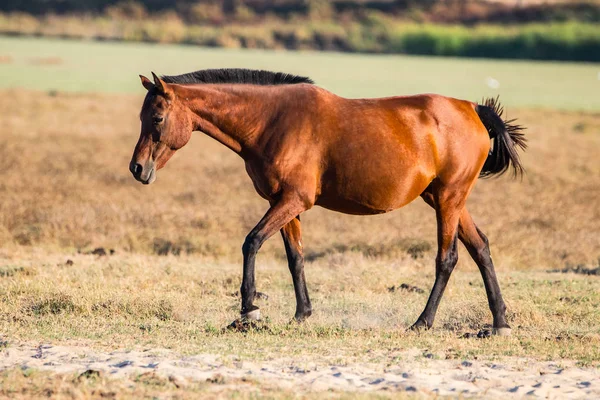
[508,138]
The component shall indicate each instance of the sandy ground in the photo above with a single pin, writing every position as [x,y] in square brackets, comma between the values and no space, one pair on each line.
[509,378]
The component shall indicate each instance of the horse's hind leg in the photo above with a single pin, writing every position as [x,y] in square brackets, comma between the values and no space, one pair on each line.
[477,245]
[292,239]
[448,204]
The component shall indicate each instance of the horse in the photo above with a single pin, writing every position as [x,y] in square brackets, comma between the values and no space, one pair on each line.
[304,146]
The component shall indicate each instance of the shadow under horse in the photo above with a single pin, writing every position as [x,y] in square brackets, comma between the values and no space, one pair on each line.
[304,146]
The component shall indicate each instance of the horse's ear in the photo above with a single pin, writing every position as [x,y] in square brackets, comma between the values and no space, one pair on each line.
[146,83]
[161,85]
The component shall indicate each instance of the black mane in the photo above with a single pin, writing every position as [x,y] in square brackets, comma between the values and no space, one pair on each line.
[237,75]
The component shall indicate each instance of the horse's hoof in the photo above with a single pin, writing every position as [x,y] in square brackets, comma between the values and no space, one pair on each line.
[253,315]
[302,316]
[501,331]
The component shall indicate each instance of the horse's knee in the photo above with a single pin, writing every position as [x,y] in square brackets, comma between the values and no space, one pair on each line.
[451,260]
[251,244]
[446,264]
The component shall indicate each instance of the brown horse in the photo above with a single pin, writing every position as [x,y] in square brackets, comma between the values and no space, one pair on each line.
[304,146]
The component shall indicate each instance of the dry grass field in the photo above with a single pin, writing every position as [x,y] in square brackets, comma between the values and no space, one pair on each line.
[172,281]
[147,318]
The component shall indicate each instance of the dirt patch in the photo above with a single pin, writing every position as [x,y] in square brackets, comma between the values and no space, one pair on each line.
[411,372]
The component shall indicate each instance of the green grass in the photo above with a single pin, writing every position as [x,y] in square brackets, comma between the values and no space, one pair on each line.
[53,64]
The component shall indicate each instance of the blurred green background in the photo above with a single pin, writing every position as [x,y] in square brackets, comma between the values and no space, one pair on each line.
[88,66]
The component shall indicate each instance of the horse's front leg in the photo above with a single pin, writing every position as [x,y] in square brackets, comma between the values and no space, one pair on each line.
[282,211]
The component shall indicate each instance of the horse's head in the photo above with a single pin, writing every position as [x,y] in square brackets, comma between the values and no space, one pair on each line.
[166,127]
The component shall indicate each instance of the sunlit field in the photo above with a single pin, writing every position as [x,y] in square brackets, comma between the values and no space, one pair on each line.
[170,278]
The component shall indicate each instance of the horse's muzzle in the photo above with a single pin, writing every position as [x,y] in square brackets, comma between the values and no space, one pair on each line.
[145,174]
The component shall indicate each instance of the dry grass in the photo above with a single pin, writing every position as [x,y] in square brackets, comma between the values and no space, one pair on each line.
[182,303]
[65,187]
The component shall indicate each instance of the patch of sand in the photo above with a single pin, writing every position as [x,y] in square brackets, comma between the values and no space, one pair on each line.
[509,378]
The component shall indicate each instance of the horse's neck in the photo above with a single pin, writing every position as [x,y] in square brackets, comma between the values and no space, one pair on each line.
[235,115]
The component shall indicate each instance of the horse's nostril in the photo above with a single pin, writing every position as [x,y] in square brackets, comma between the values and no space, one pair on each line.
[136,169]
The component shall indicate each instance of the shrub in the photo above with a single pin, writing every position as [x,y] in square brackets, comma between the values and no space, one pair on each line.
[126,10]
[203,12]
[565,41]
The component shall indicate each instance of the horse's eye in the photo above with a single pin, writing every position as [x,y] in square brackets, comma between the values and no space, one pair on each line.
[157,120]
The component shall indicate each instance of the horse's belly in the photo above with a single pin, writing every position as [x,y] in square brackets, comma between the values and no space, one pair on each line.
[348,206]
[367,195]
